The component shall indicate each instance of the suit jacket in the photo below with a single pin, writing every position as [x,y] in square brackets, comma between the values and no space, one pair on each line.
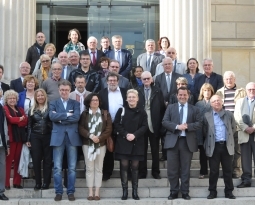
[22,97]
[16,85]
[123,82]
[68,71]
[216,81]
[160,82]
[104,97]
[172,119]
[209,131]
[5,87]
[126,64]
[142,61]
[180,67]
[100,54]
[157,107]
[62,124]
[241,109]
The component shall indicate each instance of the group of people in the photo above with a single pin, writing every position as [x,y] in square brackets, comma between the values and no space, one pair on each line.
[86,96]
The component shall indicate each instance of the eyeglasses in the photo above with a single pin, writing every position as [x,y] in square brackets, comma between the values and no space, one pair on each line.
[146,79]
[64,90]
[45,61]
[114,66]
[181,84]
[85,59]
[170,52]
[208,65]
[250,90]
[94,100]
[112,80]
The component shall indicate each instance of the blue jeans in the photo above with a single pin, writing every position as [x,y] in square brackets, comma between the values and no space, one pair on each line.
[71,160]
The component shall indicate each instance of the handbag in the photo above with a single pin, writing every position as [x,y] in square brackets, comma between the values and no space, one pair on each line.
[109,140]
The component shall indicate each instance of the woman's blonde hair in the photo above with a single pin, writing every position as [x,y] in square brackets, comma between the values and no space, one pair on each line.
[28,78]
[50,45]
[132,91]
[9,93]
[44,56]
[204,87]
[35,106]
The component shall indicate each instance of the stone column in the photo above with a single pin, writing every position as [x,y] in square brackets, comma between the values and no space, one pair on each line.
[18,28]
[187,23]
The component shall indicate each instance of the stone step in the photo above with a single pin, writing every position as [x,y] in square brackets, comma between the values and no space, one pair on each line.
[153,192]
[115,183]
[142,201]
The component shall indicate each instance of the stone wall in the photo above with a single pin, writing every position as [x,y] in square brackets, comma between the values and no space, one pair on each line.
[233,38]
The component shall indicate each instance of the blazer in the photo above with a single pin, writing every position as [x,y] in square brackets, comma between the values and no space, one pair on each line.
[68,71]
[104,97]
[216,81]
[123,82]
[100,54]
[160,82]
[4,87]
[209,131]
[126,64]
[171,120]
[241,109]
[16,85]
[142,61]
[22,97]
[62,124]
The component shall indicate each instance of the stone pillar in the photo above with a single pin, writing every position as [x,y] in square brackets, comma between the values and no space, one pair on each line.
[18,28]
[187,23]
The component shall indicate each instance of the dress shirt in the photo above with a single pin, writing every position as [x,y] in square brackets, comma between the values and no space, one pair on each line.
[115,101]
[220,128]
[91,55]
[147,96]
[120,56]
[185,114]
[148,56]
[27,104]
[64,102]
[64,72]
[162,53]
[21,79]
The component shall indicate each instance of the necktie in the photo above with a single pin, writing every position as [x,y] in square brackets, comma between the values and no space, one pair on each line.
[94,58]
[147,93]
[118,57]
[168,82]
[175,65]
[181,113]
[63,73]
[149,64]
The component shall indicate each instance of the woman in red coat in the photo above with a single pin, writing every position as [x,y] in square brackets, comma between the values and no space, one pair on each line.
[16,122]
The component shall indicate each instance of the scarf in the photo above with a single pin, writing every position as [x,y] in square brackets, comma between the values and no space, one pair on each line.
[45,73]
[105,71]
[95,125]
[81,95]
[139,82]
[41,48]
[70,47]
[18,133]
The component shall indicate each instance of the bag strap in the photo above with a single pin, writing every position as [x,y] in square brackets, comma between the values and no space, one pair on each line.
[105,115]
[122,114]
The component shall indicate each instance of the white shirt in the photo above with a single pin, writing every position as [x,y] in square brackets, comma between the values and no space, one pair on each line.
[115,101]
[185,114]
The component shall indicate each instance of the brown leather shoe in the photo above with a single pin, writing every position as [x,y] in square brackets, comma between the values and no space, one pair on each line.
[58,197]
[96,198]
[90,198]
[71,197]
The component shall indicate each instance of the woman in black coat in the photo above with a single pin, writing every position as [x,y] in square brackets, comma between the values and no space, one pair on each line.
[39,134]
[130,141]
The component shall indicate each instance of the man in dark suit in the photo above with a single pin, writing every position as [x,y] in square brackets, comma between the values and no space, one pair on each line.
[94,53]
[3,86]
[105,44]
[150,59]
[209,76]
[16,84]
[152,101]
[123,56]
[181,121]
[63,59]
[65,114]
[113,97]
[115,67]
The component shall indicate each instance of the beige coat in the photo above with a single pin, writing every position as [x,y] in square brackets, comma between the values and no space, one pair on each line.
[240,93]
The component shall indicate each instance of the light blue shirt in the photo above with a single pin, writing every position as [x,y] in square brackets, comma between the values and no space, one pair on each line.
[185,114]
[219,127]
[64,103]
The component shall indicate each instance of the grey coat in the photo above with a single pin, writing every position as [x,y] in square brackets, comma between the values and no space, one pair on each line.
[209,131]
[203,108]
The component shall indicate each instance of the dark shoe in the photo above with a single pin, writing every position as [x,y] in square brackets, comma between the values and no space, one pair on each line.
[17,186]
[186,196]
[124,183]
[230,196]
[58,197]
[172,196]
[135,184]
[71,197]
[235,176]
[163,158]
[3,197]
[212,195]
[37,187]
[7,187]
[156,176]
[45,186]
[96,198]
[135,195]
[243,185]
[105,178]
[90,198]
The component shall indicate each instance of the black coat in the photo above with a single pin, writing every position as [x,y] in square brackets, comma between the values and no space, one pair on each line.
[157,107]
[32,57]
[5,87]
[16,85]
[134,122]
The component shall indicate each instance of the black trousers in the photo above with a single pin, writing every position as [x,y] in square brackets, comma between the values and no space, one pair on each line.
[41,150]
[154,143]
[221,156]
[203,160]
[248,151]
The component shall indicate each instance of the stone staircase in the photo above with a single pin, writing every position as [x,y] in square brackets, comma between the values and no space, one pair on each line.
[151,191]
